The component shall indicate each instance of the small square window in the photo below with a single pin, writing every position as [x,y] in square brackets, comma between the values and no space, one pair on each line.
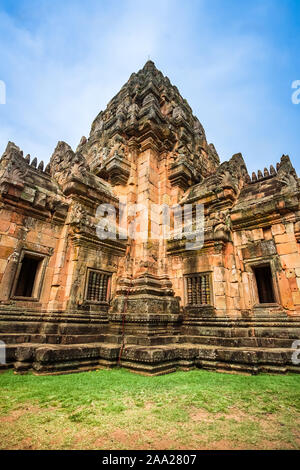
[198,289]
[98,286]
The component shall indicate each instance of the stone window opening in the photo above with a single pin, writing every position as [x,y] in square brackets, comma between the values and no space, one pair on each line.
[98,286]
[29,276]
[198,289]
[264,283]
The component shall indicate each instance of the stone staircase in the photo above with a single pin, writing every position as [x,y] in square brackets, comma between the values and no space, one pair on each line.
[66,343]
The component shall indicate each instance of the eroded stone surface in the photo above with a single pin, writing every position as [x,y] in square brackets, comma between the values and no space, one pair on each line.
[148,146]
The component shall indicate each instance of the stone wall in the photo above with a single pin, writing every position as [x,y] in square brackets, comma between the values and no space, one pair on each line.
[147,148]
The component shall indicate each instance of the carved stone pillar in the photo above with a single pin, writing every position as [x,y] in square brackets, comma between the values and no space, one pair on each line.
[9,274]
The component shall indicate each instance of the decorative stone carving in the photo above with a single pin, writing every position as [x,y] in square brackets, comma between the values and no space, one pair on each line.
[65,163]
[164,295]
[286,174]
[149,101]
[13,167]
[78,216]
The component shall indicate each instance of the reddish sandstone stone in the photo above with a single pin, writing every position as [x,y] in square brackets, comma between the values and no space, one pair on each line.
[5,251]
[285,238]
[249,243]
[287,248]
[4,225]
[278,229]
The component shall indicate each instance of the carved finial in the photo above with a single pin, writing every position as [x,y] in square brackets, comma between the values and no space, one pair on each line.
[254,177]
[272,170]
[27,158]
[266,172]
[41,166]
[34,162]
[248,179]
[149,66]
[47,169]
[284,159]
[259,175]
[277,166]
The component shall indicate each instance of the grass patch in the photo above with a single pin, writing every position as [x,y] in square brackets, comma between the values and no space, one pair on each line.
[115,409]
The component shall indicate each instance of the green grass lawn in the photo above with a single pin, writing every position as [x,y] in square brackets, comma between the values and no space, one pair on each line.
[116,409]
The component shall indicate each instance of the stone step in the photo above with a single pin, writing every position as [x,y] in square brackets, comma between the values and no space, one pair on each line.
[17,338]
[97,317]
[254,342]
[19,327]
[47,358]
[143,340]
[49,328]
[286,322]
[236,332]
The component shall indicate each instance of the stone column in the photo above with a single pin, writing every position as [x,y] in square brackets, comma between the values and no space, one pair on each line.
[9,274]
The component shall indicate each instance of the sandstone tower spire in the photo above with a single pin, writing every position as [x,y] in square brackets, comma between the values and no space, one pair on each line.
[71,299]
[149,141]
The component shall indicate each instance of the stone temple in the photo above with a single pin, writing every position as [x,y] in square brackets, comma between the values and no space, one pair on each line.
[71,300]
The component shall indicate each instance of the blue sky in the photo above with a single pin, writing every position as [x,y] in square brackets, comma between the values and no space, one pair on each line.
[234,61]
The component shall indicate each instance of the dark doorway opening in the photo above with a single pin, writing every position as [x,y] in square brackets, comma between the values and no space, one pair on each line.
[264,283]
[27,276]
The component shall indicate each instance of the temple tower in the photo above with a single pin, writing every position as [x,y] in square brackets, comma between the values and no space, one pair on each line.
[148,145]
[74,296]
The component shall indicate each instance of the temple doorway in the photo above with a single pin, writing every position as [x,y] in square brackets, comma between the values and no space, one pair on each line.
[264,282]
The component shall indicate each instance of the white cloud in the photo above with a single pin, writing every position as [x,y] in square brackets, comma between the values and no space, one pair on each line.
[64,62]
